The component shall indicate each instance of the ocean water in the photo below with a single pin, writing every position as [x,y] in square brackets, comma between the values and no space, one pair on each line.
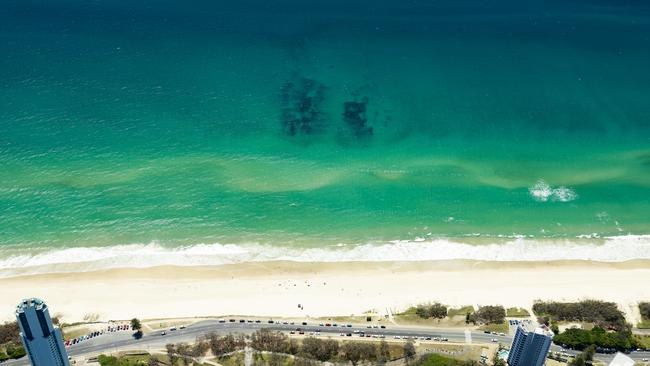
[210,132]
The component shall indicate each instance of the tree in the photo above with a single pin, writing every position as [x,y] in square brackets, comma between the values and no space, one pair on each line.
[409,350]
[267,340]
[319,349]
[383,352]
[603,314]
[275,359]
[200,348]
[490,314]
[171,353]
[584,358]
[185,351]
[294,347]
[644,309]
[152,361]
[498,361]
[135,324]
[9,332]
[226,344]
[352,352]
[436,310]
[14,350]
[300,361]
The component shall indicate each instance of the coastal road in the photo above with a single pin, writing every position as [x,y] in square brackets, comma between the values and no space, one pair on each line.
[123,341]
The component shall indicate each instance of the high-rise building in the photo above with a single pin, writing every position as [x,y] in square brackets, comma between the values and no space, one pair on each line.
[529,348]
[43,342]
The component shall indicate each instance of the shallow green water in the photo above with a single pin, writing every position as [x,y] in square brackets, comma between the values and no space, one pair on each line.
[164,123]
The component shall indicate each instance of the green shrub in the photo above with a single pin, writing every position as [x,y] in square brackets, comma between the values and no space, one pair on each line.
[436,311]
[603,314]
[489,315]
[438,360]
[644,308]
[580,339]
[14,351]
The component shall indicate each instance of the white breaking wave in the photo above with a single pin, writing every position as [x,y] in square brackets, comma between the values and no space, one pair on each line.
[543,192]
[608,249]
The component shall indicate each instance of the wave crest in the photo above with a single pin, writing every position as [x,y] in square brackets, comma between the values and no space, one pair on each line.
[542,192]
[609,249]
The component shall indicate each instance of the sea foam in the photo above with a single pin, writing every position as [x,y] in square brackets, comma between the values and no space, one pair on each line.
[542,192]
[608,249]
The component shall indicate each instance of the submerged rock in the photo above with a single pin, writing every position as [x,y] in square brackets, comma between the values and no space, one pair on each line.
[301,106]
[354,115]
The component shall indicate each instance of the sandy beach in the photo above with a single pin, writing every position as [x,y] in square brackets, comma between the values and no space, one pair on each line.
[276,288]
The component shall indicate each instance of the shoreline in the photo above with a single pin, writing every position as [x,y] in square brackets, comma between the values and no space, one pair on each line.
[19,262]
[323,289]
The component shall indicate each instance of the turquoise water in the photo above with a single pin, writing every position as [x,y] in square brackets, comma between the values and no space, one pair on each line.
[211,124]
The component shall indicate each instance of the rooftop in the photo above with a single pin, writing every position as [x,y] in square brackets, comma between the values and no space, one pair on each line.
[27,303]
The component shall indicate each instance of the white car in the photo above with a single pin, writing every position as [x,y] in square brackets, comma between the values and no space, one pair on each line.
[495,340]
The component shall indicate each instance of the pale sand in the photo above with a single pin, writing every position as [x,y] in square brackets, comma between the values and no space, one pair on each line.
[324,289]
